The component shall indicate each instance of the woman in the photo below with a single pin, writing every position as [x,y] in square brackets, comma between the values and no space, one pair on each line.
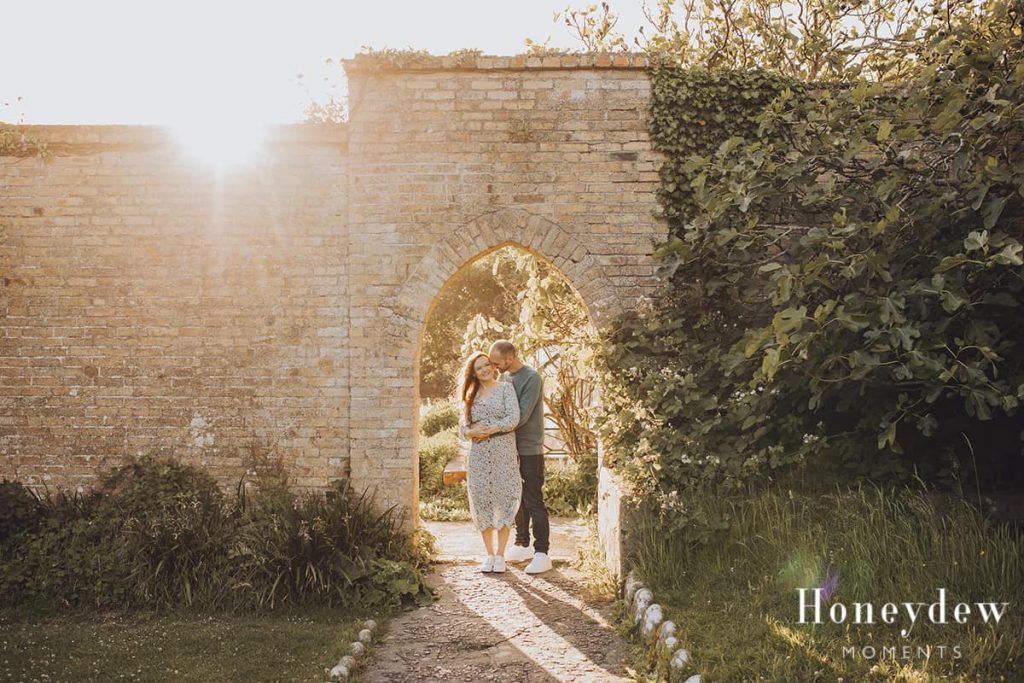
[490,412]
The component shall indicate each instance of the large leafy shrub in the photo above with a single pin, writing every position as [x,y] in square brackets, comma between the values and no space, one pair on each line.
[333,549]
[844,275]
[160,533]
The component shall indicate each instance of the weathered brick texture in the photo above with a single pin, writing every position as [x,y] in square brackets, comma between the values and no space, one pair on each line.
[148,302]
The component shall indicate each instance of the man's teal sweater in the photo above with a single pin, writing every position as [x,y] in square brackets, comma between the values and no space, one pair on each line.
[529,385]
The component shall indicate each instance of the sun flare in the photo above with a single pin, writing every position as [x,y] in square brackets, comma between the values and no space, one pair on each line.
[221,142]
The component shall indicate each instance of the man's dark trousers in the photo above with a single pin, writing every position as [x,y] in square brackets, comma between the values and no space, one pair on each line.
[531,467]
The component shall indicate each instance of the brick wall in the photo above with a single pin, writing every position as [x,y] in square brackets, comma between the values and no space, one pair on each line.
[149,303]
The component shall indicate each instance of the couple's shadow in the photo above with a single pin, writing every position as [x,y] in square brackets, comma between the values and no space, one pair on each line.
[550,597]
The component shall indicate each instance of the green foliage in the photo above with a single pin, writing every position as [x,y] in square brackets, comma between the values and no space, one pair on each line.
[389,58]
[439,416]
[844,275]
[882,545]
[450,504]
[553,331]
[159,533]
[571,488]
[334,549]
[435,453]
[489,285]
[283,646]
[20,510]
[806,39]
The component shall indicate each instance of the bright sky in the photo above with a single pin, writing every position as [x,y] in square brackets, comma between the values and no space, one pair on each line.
[143,61]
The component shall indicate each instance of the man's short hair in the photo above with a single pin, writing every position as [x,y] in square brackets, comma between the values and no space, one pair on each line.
[504,347]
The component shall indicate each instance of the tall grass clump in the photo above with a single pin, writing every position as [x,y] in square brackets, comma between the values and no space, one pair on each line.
[335,549]
[158,533]
[734,591]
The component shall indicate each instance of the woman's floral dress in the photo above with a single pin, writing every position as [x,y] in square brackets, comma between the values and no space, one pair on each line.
[492,474]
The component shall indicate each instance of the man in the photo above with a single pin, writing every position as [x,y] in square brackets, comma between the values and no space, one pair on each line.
[529,386]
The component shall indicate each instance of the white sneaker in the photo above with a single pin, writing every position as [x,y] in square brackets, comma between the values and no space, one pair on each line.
[488,564]
[499,564]
[518,553]
[541,563]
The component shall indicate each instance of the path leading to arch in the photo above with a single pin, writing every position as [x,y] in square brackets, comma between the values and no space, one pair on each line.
[511,627]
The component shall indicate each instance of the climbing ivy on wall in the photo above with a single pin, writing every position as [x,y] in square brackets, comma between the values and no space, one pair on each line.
[693,112]
[843,276]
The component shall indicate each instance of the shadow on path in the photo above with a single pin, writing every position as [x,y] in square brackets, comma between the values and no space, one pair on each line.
[509,627]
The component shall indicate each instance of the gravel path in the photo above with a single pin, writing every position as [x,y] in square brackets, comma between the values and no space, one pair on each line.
[510,627]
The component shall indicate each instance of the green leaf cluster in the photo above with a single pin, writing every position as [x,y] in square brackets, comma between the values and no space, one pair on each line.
[159,533]
[843,276]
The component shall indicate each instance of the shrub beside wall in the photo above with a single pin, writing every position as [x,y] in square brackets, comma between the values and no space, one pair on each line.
[843,277]
[158,533]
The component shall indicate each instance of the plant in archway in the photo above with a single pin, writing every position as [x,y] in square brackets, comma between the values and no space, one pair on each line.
[489,284]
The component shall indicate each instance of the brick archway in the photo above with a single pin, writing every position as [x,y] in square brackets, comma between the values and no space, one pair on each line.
[408,311]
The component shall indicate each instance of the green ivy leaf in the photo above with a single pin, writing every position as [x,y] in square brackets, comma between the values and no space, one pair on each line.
[884,130]
[949,262]
[976,240]
[1010,255]
[992,210]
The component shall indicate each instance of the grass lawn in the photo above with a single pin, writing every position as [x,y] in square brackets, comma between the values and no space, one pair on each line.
[734,596]
[142,646]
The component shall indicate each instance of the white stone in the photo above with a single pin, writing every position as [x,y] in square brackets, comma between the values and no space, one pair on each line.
[339,673]
[370,624]
[348,661]
[671,643]
[667,630]
[357,648]
[679,659]
[652,618]
[641,600]
[365,636]
[693,679]
[632,586]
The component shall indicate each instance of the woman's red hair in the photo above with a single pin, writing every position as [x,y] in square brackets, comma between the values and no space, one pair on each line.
[469,387]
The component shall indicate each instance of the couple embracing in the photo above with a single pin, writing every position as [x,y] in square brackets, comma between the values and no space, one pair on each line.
[503,416]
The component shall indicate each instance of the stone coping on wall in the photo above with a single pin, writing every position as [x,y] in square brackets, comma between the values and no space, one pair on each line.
[399,61]
[69,139]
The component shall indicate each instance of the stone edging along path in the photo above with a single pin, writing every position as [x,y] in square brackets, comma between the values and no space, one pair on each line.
[347,664]
[659,633]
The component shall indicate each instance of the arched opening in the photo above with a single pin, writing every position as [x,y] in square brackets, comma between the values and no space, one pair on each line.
[513,292]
